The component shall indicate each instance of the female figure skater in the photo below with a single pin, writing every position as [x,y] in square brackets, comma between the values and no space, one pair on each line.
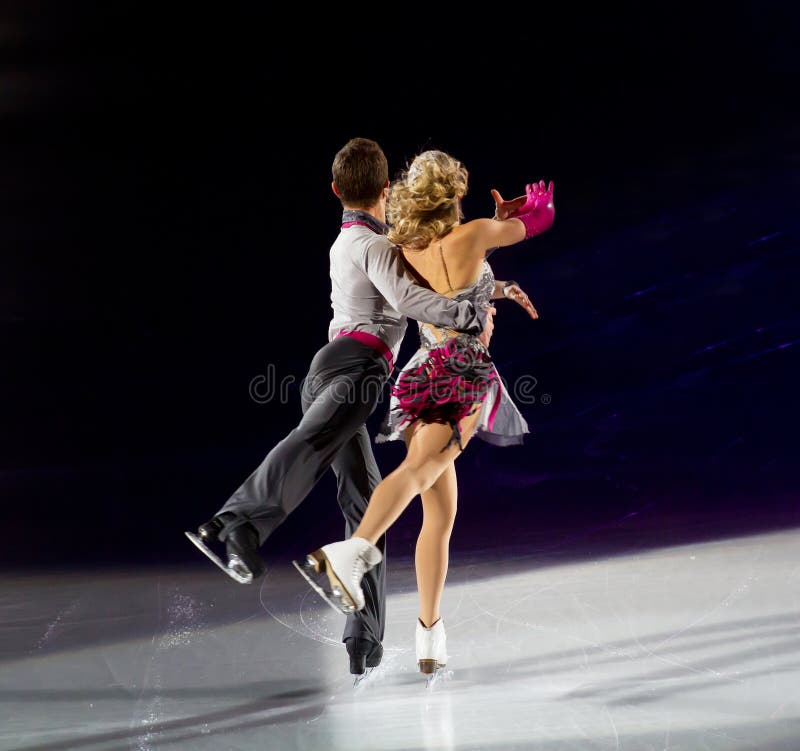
[449,390]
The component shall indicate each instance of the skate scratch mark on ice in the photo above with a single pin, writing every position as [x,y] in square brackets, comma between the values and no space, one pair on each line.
[676,663]
[740,588]
[471,618]
[458,604]
[554,586]
[315,634]
[53,625]
[720,734]
[581,606]
[499,617]
[311,634]
[183,618]
[608,593]
[557,632]
[116,681]
[143,741]
[613,725]
[244,620]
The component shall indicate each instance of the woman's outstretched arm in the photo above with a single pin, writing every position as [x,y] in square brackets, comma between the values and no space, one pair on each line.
[534,216]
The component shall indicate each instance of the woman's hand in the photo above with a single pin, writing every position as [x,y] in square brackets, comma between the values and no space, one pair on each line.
[514,292]
[538,212]
[539,193]
[503,208]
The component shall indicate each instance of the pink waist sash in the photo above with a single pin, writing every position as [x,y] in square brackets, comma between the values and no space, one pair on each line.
[372,341]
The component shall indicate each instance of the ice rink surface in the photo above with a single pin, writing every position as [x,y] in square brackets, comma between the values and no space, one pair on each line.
[692,647]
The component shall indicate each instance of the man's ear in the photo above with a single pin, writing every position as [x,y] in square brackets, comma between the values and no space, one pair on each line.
[336,190]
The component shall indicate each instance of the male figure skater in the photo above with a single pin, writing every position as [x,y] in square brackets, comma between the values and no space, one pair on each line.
[371,296]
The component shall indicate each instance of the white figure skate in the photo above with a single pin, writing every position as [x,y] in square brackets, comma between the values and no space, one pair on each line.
[431,649]
[344,564]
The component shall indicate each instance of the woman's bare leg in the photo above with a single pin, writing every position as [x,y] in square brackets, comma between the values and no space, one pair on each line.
[439,503]
[421,468]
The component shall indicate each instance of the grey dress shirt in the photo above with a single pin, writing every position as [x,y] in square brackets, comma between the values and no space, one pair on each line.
[372,291]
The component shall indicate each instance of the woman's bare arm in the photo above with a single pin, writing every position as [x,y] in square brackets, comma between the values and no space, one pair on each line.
[482,234]
[536,213]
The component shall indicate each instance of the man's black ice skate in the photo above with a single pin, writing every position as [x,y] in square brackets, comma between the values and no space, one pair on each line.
[244,563]
[243,557]
[365,655]
[209,532]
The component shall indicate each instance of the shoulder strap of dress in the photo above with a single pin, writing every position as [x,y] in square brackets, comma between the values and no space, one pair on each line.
[444,265]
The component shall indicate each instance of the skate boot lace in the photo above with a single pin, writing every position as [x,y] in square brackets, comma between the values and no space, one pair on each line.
[360,567]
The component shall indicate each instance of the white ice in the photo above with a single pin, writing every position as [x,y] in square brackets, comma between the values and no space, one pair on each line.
[688,648]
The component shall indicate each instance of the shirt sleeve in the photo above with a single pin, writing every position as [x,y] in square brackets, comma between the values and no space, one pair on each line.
[384,267]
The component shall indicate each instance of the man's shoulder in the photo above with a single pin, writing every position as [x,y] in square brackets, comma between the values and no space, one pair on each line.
[364,246]
[374,241]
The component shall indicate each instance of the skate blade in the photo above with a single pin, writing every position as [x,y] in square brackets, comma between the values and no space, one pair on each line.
[359,679]
[434,672]
[438,676]
[235,569]
[334,593]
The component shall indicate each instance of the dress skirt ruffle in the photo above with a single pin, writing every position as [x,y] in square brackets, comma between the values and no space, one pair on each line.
[444,384]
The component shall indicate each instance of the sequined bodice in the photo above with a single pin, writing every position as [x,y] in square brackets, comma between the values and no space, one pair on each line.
[479,293]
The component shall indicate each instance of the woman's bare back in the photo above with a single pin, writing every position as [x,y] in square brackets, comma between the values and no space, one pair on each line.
[448,265]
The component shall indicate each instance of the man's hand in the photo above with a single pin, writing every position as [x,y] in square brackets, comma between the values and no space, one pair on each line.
[488,328]
[503,208]
[514,292]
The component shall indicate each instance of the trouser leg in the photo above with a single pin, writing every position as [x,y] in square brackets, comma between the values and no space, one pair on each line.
[357,475]
[339,394]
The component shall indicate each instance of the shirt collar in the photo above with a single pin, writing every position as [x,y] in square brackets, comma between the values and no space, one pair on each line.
[361,217]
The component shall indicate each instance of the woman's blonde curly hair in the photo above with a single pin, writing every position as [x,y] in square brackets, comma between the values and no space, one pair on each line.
[424,203]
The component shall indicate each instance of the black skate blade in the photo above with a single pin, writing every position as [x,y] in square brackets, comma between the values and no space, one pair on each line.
[235,574]
[308,572]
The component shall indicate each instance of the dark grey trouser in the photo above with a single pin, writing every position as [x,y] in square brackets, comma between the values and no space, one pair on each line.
[341,390]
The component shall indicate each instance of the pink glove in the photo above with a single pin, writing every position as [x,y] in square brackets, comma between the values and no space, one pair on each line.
[537,213]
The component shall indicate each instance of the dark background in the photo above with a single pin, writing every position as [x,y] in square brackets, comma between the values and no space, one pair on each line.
[166,218]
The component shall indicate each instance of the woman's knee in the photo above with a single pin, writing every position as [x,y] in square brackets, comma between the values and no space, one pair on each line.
[424,472]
